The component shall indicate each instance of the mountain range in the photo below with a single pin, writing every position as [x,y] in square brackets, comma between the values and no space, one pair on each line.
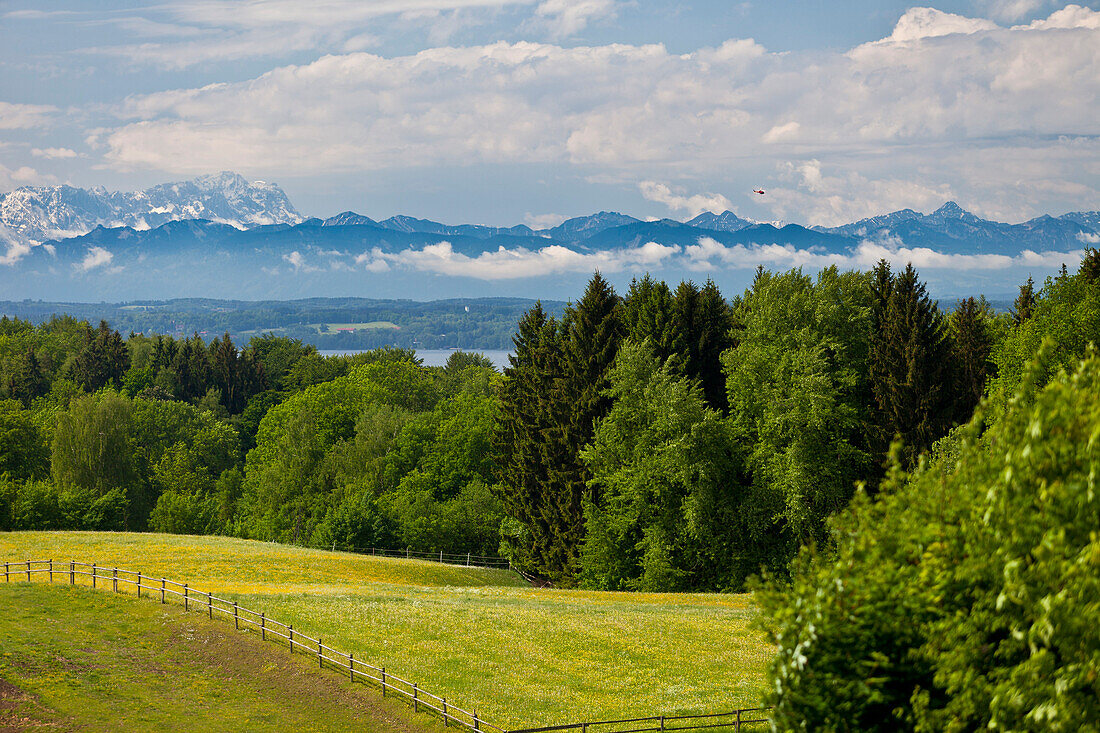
[228,237]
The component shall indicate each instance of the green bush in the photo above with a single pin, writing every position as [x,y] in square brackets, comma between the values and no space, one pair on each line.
[968,596]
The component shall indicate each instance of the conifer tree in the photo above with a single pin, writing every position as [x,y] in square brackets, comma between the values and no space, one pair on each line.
[910,364]
[1024,306]
[714,335]
[592,333]
[685,319]
[522,428]
[972,347]
[1090,266]
[647,314]
[104,358]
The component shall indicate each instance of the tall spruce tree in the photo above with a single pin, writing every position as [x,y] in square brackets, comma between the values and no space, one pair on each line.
[911,364]
[592,331]
[647,314]
[1024,306]
[972,347]
[714,334]
[519,441]
[103,359]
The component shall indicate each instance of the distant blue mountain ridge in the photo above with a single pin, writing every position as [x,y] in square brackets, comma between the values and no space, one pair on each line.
[255,244]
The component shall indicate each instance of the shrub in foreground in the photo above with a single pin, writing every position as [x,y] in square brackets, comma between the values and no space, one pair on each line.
[968,595]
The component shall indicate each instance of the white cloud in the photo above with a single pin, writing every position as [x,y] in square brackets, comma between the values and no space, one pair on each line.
[709,254]
[781,133]
[543,221]
[22,176]
[25,116]
[96,257]
[1069,17]
[298,261]
[831,200]
[918,23]
[925,113]
[182,34]
[15,247]
[1089,238]
[1013,9]
[53,153]
[567,17]
[677,201]
[506,264]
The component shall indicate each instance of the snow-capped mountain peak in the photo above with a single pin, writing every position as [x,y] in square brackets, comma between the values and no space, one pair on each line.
[37,214]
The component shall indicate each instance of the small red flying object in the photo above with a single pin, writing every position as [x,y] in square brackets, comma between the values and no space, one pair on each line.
[758,191]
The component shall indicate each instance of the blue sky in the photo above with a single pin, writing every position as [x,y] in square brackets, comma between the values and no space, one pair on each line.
[507,111]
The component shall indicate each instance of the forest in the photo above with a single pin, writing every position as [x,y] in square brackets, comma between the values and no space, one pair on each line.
[662,439]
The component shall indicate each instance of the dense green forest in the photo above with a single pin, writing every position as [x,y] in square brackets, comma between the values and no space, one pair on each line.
[662,439]
[327,323]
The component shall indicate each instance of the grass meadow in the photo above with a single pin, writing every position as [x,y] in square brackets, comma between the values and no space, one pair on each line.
[82,659]
[484,639]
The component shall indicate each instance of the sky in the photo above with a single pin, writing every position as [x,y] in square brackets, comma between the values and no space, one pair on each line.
[530,111]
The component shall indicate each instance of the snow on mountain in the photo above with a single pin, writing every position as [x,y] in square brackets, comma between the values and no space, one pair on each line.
[727,221]
[1090,219]
[37,214]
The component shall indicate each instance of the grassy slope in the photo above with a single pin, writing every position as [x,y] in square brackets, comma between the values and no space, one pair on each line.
[520,656]
[77,658]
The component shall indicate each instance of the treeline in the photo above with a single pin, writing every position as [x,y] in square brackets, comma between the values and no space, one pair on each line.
[964,594]
[272,441]
[671,440]
[467,323]
[662,439]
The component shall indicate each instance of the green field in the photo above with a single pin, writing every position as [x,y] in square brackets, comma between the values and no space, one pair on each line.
[520,656]
[75,658]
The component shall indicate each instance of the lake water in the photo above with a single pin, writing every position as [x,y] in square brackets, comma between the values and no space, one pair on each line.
[432,357]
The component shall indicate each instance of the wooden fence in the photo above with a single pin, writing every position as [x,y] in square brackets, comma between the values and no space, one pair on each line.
[467,559]
[357,671]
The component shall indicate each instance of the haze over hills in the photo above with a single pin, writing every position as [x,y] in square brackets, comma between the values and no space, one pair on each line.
[223,236]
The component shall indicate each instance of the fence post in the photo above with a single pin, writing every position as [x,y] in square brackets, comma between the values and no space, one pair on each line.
[351,666]
[383,682]
[28,571]
[476,721]
[467,559]
[263,628]
[93,575]
[291,628]
[210,604]
[72,573]
[406,553]
[6,573]
[662,722]
[186,605]
[416,702]
[444,711]
[320,657]
[114,579]
[441,556]
[236,620]
[51,569]
[162,584]
[738,728]
[140,576]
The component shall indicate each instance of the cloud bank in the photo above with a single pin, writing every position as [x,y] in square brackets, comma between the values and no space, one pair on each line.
[930,110]
[706,256]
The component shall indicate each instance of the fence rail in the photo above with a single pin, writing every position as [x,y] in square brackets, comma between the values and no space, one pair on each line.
[194,600]
[463,558]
